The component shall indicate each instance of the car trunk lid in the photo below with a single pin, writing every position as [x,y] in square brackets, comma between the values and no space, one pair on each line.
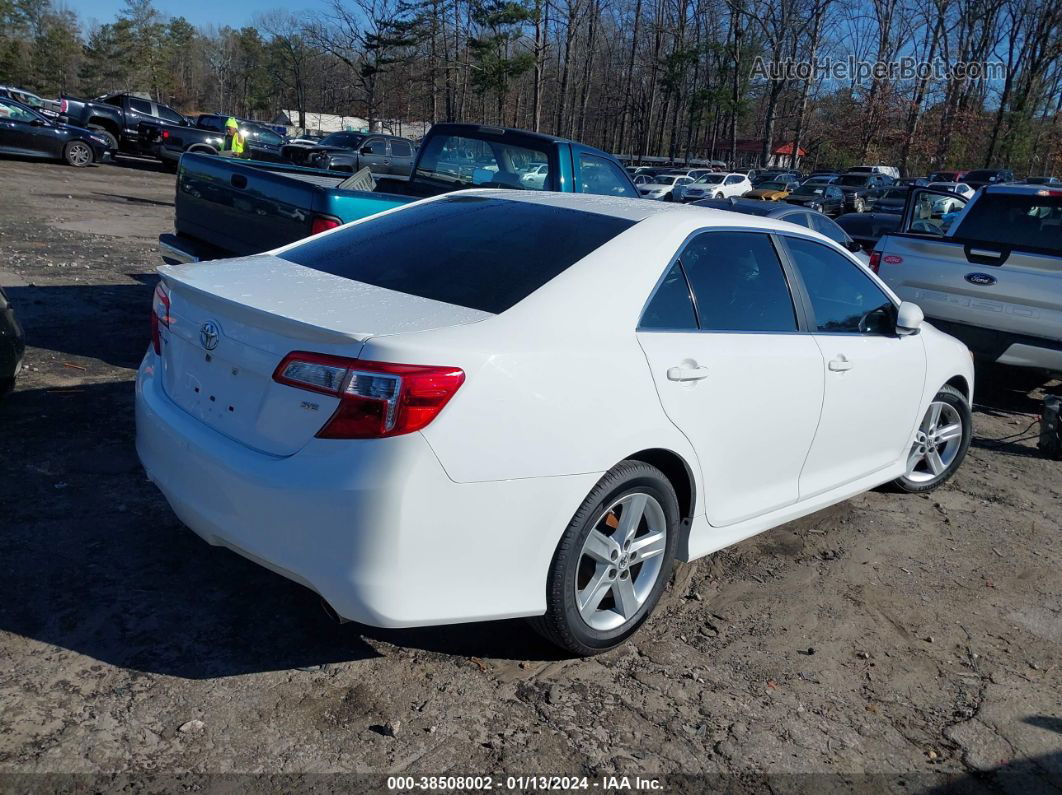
[233,321]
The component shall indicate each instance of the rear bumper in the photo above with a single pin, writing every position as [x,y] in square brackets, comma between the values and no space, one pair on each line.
[178,250]
[374,526]
[1004,347]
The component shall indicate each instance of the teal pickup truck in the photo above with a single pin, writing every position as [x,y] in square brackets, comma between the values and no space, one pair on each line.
[228,208]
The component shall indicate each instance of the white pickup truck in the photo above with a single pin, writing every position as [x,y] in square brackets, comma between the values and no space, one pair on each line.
[987,270]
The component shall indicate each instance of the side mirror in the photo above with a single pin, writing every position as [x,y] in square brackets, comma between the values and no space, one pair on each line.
[366,150]
[38,123]
[854,246]
[909,318]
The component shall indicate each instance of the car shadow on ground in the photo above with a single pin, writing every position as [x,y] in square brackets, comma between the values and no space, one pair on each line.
[95,562]
[92,321]
[1017,394]
[1030,774]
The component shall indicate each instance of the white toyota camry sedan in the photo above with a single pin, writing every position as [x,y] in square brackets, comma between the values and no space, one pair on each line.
[495,404]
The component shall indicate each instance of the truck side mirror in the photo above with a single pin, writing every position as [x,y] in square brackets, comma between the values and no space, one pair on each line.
[909,318]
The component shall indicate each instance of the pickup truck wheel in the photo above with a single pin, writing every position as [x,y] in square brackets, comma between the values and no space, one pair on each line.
[169,166]
[112,142]
[613,561]
[78,154]
[940,443]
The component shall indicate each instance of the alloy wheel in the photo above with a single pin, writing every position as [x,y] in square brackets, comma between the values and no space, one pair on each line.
[620,561]
[79,154]
[936,444]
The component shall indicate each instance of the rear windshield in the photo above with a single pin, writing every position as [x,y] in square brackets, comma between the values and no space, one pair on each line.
[1024,221]
[479,252]
[460,162]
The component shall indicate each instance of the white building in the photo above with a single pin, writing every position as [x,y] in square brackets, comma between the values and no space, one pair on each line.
[330,122]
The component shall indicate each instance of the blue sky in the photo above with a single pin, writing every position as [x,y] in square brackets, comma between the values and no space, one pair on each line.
[198,12]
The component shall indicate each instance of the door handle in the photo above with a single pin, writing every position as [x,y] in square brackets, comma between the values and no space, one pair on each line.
[687,373]
[840,364]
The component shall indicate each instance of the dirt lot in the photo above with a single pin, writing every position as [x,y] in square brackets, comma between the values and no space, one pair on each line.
[893,642]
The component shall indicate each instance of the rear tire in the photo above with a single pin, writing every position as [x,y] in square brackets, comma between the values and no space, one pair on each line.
[940,443]
[78,154]
[112,142]
[601,589]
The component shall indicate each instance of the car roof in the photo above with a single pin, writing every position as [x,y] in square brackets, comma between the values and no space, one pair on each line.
[683,217]
[1023,189]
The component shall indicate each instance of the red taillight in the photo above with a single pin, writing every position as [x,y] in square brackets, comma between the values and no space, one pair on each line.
[322,223]
[160,316]
[376,399]
[875,261]
[165,134]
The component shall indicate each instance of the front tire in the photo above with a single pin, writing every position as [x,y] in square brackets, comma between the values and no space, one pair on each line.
[940,443]
[613,561]
[78,154]
[719,196]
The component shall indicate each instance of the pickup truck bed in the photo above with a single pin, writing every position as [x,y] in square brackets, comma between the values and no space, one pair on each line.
[994,280]
[227,207]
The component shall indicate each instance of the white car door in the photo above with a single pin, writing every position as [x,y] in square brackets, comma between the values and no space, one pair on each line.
[874,378]
[734,371]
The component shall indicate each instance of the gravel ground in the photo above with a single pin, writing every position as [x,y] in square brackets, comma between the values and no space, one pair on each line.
[890,643]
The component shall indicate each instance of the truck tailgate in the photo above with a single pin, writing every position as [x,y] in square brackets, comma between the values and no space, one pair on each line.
[951,281]
[240,208]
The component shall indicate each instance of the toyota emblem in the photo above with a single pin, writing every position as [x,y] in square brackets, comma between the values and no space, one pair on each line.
[209,334]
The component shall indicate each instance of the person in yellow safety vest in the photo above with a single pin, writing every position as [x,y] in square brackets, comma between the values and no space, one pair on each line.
[234,140]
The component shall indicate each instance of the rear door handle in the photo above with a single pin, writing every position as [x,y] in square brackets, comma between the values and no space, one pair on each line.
[687,373]
[840,364]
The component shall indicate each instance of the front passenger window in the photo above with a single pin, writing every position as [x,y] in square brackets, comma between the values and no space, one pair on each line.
[844,298]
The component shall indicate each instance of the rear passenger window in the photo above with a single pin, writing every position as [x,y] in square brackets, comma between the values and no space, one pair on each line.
[140,106]
[738,283]
[671,306]
[401,149]
[845,300]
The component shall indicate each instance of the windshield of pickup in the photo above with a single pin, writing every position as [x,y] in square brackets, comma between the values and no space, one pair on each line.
[1022,220]
[474,251]
[854,180]
[476,163]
